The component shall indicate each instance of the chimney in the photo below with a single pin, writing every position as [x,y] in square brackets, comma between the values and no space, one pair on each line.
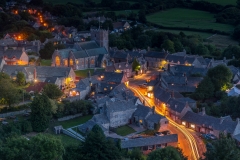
[237,120]
[35,73]
[148,48]
[175,106]
[172,94]
[168,67]
[153,109]
[203,111]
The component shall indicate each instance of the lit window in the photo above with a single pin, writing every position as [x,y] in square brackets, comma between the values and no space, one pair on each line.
[184,123]
[105,89]
[192,126]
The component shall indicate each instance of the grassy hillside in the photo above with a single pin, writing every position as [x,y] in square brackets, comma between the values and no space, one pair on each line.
[179,17]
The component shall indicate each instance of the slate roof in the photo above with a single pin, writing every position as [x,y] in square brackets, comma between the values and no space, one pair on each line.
[182,88]
[89,125]
[161,94]
[176,80]
[113,77]
[233,69]
[237,137]
[175,59]
[96,51]
[155,118]
[140,142]
[51,80]
[48,71]
[80,54]
[186,99]
[122,66]
[220,124]
[10,53]
[176,105]
[118,106]
[154,54]
[88,45]
[142,111]
[64,53]
[194,81]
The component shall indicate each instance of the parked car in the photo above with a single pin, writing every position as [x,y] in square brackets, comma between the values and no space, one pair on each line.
[211,136]
[159,134]
[2,119]
[12,117]
[166,132]
[4,122]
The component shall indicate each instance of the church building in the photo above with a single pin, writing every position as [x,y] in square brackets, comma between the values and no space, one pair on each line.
[83,55]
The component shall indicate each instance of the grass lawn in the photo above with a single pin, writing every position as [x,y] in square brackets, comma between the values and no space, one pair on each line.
[179,17]
[75,121]
[202,34]
[124,130]
[46,62]
[84,73]
[67,140]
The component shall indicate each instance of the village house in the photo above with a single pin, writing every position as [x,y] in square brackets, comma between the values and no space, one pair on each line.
[147,118]
[150,143]
[64,76]
[156,59]
[103,82]
[124,67]
[121,26]
[100,19]
[200,122]
[84,55]
[15,57]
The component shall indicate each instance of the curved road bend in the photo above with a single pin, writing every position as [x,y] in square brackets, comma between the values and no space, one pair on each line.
[191,140]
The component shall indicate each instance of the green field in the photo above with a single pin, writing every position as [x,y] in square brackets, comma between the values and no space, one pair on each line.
[84,73]
[75,121]
[124,130]
[179,17]
[46,62]
[202,34]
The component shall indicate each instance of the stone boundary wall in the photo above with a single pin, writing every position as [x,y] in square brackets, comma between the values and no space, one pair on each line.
[70,117]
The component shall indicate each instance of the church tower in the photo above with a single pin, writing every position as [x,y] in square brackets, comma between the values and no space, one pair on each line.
[100,36]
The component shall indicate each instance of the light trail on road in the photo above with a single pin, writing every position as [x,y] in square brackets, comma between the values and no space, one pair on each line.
[188,135]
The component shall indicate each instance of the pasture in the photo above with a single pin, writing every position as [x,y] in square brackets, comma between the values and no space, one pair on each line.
[178,17]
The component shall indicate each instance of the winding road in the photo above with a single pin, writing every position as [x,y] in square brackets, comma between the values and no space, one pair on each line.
[191,149]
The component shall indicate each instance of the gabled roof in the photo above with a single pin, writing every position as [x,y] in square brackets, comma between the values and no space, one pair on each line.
[118,106]
[176,105]
[64,53]
[154,54]
[155,118]
[140,142]
[96,51]
[88,45]
[221,124]
[80,54]
[176,80]
[161,94]
[180,89]
[10,53]
[142,111]
[37,87]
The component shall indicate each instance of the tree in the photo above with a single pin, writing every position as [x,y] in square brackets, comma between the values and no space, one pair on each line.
[40,113]
[20,78]
[107,3]
[205,89]
[36,2]
[220,76]
[40,147]
[143,41]
[46,147]
[96,146]
[201,50]
[52,91]
[166,153]
[47,51]
[135,65]
[223,148]
[3,3]
[168,45]
[8,92]
[136,154]
[142,16]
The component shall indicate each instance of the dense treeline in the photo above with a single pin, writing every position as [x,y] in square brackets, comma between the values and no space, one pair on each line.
[193,44]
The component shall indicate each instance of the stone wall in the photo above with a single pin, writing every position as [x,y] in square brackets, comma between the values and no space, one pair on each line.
[70,117]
